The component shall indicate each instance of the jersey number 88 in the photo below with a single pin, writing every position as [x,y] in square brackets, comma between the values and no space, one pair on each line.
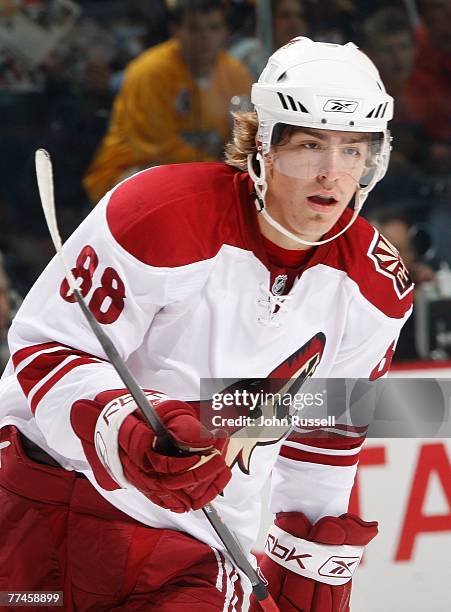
[107,301]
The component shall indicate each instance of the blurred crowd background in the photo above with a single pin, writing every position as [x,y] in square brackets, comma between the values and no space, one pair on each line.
[109,87]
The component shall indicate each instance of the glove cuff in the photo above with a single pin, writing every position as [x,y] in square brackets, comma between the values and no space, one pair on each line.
[334,565]
[106,433]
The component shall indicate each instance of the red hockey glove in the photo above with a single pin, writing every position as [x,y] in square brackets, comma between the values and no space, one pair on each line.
[121,449]
[309,568]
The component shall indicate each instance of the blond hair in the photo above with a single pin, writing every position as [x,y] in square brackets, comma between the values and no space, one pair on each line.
[245,126]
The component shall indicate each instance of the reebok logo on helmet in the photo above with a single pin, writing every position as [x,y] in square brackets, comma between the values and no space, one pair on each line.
[340,106]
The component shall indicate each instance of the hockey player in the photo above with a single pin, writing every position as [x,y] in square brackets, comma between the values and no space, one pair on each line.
[207,271]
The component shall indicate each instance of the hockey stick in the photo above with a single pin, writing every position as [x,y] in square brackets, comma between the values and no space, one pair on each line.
[44,174]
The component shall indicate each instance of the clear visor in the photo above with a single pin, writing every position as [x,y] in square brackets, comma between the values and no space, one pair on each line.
[307,155]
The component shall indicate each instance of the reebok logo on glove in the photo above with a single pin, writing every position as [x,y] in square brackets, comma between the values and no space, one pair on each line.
[339,566]
[316,561]
[282,552]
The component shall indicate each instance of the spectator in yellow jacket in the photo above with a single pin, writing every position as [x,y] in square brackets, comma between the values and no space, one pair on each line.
[174,102]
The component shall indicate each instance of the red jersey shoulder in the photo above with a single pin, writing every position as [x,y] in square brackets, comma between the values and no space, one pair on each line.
[375,265]
[170,216]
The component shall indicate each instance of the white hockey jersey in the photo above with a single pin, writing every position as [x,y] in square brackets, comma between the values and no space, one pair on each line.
[172,264]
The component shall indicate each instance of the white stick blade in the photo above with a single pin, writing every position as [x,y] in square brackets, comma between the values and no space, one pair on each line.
[44,175]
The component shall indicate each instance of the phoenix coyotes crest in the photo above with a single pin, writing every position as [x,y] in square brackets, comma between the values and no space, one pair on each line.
[286,378]
[388,262]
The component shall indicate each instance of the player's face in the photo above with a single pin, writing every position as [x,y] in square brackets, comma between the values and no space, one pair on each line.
[311,180]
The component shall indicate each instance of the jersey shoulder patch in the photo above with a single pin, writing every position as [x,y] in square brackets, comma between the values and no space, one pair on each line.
[388,262]
[375,265]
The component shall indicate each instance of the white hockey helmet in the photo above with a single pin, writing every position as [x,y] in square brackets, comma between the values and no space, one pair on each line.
[322,86]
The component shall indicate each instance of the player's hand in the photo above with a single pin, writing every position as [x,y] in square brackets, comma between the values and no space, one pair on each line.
[126,450]
[309,568]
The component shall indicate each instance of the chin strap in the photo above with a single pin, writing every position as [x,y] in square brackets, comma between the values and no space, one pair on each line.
[260,184]
[261,188]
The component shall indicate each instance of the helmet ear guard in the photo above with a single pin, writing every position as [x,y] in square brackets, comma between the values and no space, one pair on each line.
[321,86]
